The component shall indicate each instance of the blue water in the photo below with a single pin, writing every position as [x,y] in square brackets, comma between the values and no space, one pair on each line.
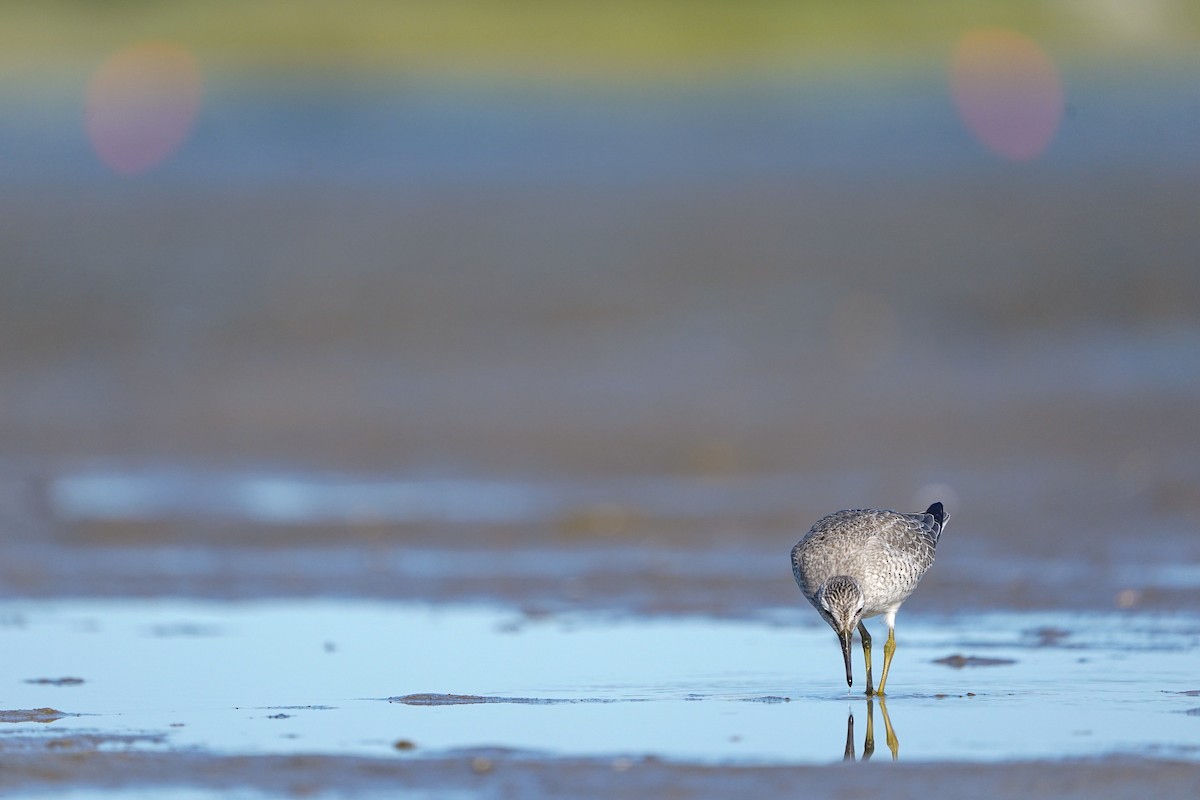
[322,677]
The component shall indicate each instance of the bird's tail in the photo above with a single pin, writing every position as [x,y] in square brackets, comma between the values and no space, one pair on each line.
[938,512]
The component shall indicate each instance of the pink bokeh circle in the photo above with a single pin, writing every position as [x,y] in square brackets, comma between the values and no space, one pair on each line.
[1008,92]
[141,104]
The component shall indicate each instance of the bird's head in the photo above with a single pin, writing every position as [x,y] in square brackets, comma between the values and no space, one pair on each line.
[840,602]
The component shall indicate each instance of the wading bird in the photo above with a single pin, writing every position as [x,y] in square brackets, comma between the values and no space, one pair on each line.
[862,563]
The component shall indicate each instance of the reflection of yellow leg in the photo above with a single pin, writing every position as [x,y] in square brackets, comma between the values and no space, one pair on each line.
[866,640]
[889,648]
[869,741]
[892,741]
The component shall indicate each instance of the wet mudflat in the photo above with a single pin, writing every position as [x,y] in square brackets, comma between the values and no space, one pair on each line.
[404,438]
[397,681]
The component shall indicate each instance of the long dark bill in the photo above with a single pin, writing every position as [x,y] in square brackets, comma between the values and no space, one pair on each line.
[845,638]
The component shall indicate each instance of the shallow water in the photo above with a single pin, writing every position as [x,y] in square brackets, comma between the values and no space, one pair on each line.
[276,497]
[161,793]
[325,677]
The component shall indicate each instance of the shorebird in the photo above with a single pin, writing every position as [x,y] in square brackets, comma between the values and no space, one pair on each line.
[861,563]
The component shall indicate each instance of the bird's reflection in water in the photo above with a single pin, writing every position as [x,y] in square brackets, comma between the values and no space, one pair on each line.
[869,741]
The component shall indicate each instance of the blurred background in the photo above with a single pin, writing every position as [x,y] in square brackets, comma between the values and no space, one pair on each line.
[315,297]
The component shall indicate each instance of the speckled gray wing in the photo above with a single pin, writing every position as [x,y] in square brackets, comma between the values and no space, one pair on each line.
[833,546]
[886,551]
[908,543]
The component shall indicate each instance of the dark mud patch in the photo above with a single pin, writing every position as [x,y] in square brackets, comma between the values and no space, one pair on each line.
[472,699]
[33,715]
[1049,636]
[78,743]
[55,681]
[475,699]
[959,661]
[770,698]
[184,629]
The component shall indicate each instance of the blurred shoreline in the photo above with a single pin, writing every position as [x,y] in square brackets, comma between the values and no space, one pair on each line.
[625,38]
[1023,340]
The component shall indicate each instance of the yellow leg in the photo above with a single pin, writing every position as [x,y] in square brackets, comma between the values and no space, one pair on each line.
[869,741]
[889,648]
[866,642]
[892,742]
